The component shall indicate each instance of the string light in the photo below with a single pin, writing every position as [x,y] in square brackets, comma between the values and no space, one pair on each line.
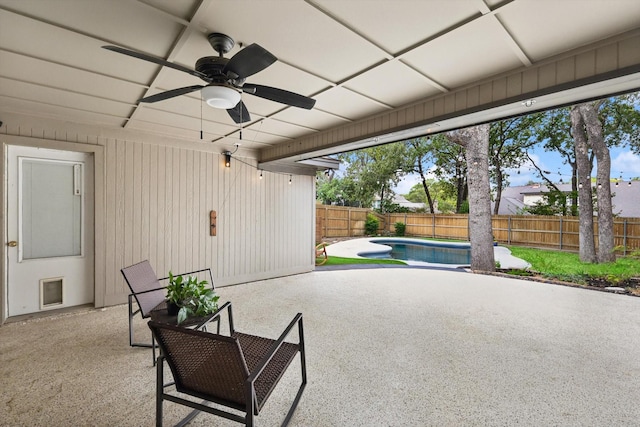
[289,179]
[260,173]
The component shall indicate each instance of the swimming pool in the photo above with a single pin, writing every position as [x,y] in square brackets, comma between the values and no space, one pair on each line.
[421,251]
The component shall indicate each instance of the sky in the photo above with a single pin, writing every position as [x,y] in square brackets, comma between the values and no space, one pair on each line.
[624,164]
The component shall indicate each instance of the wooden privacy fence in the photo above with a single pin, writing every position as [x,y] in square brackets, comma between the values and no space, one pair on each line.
[555,232]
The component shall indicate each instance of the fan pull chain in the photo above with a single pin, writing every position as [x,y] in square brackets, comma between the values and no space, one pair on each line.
[201,116]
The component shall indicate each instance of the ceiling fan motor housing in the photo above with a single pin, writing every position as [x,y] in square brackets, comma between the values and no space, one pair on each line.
[212,66]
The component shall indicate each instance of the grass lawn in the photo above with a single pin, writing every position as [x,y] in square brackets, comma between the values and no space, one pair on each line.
[334,260]
[565,266]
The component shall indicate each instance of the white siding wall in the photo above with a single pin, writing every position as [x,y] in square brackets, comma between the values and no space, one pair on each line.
[155,196]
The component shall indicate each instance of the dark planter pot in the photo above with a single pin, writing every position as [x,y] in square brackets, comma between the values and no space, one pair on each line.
[173,308]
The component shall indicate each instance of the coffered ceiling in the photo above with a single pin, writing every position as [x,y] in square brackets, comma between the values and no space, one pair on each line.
[359,59]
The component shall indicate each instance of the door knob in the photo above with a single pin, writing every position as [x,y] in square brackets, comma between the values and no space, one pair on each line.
[12,244]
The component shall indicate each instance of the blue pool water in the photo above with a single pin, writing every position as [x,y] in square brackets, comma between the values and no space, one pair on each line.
[427,251]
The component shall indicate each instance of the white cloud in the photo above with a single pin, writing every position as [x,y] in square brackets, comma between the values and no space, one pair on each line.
[405,184]
[626,164]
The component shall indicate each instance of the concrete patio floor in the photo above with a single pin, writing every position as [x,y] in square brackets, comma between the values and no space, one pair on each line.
[385,347]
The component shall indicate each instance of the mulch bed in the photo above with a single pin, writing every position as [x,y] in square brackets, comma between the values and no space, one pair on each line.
[630,286]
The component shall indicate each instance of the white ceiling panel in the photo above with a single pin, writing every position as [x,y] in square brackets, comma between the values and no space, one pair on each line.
[170,131]
[256,139]
[52,44]
[119,22]
[28,69]
[480,46]
[298,34]
[345,103]
[276,127]
[59,97]
[182,9]
[166,118]
[375,83]
[573,23]
[356,58]
[395,26]
[23,106]
[312,119]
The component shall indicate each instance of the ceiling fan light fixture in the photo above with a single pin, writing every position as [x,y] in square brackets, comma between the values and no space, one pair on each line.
[221,96]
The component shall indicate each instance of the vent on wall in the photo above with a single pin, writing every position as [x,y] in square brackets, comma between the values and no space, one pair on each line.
[51,292]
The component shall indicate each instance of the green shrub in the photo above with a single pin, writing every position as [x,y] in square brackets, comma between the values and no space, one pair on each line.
[400,228]
[371,225]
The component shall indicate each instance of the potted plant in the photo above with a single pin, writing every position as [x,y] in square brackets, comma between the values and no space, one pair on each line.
[190,297]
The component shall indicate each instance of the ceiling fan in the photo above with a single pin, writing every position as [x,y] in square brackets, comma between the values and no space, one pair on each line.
[225,77]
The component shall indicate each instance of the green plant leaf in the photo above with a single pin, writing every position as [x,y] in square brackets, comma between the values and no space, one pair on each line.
[182,315]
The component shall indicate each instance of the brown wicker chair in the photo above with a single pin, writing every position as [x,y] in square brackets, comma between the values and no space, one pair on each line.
[238,371]
[149,294]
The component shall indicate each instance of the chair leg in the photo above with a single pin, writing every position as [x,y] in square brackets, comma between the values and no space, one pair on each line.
[303,357]
[303,365]
[153,349]
[130,322]
[132,314]
[250,405]
[159,391]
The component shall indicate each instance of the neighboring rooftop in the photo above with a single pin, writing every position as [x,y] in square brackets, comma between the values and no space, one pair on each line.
[626,198]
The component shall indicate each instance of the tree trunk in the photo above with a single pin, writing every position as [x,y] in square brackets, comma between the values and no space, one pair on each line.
[460,184]
[499,178]
[585,204]
[476,142]
[594,131]
[426,188]
[574,190]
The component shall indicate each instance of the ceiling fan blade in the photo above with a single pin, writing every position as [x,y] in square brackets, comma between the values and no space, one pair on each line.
[239,113]
[250,60]
[280,95]
[157,60]
[170,94]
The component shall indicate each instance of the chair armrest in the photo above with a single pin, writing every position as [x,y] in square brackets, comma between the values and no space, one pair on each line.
[276,345]
[217,314]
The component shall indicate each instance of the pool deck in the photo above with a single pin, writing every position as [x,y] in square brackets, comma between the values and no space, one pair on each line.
[354,247]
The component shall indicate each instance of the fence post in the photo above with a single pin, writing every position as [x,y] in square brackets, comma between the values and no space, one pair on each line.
[349,233]
[560,233]
[433,225]
[509,230]
[326,219]
[624,237]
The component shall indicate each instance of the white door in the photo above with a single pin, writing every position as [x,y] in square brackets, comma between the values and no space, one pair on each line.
[50,229]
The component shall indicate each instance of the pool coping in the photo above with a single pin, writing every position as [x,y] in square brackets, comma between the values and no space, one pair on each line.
[354,247]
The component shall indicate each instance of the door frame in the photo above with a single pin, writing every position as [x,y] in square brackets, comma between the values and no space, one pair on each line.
[98,232]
